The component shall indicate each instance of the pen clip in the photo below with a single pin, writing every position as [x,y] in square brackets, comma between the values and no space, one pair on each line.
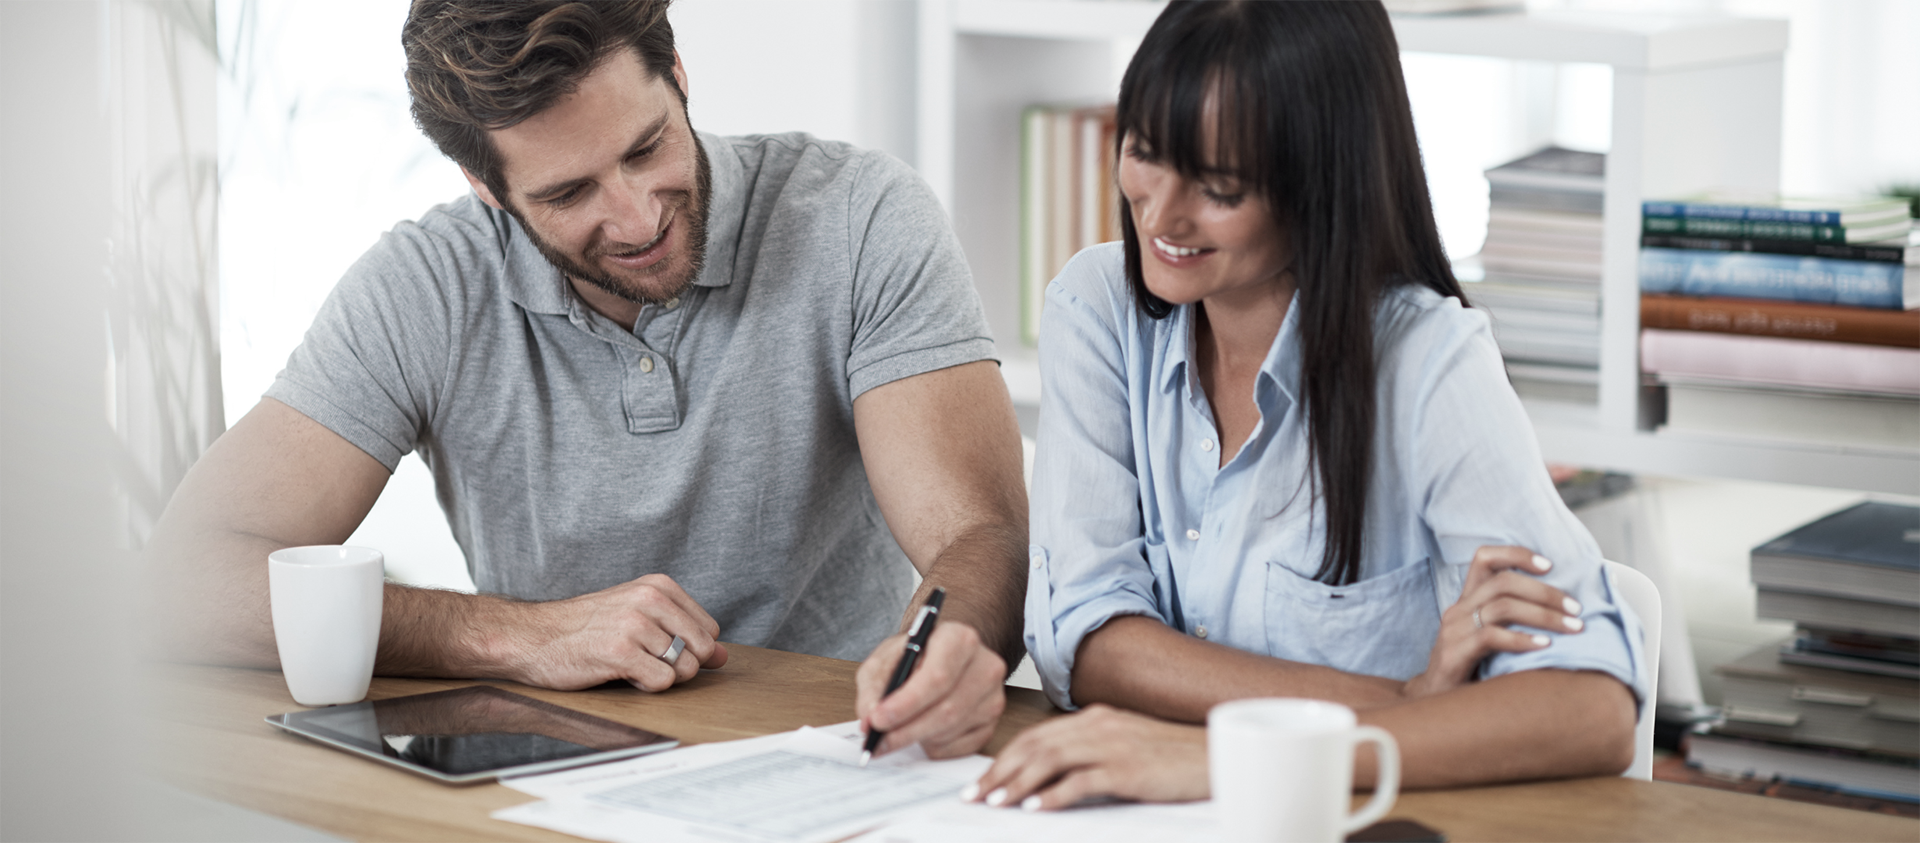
[925,612]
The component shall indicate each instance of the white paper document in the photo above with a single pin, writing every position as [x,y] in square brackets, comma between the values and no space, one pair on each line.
[798,787]
[960,822]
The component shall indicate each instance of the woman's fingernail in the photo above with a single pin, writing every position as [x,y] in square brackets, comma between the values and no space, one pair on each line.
[1538,641]
[1571,605]
[1031,803]
[1573,623]
[970,792]
[1542,563]
[998,797]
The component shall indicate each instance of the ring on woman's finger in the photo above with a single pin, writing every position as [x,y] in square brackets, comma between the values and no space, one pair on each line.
[1476,620]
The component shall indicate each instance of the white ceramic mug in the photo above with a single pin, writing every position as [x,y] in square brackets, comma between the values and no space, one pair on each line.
[1282,770]
[326,619]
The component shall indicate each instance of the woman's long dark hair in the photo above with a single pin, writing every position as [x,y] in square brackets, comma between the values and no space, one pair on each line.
[1312,113]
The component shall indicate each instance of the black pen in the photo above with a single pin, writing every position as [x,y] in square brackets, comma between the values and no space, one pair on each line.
[916,643]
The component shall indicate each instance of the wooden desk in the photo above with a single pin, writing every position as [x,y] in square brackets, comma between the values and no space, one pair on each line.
[209,736]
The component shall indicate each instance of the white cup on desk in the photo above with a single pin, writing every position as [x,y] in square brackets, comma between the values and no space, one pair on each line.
[326,619]
[1282,770]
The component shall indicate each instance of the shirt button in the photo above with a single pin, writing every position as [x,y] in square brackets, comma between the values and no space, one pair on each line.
[1200,631]
[1038,562]
[1206,444]
[1193,535]
[646,365]
[673,302]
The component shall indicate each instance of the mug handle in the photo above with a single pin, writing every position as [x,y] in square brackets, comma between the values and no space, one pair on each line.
[1386,786]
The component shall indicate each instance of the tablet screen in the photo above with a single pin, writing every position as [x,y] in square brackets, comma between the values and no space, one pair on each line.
[472,734]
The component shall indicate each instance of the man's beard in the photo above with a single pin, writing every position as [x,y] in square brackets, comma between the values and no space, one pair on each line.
[692,215]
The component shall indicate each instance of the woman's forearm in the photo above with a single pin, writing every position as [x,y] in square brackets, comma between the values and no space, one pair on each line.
[1139,663]
[1534,724]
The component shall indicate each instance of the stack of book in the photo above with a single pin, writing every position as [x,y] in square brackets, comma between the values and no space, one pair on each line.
[1539,272]
[1839,705]
[1068,199]
[1784,319]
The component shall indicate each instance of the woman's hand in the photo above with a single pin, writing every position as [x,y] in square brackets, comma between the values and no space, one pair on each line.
[1500,591]
[1100,751]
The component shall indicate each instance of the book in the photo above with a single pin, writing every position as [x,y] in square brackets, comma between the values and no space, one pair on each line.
[1869,616]
[1501,294]
[1845,769]
[1764,698]
[1883,655]
[1068,200]
[1547,200]
[1779,361]
[1768,230]
[1552,168]
[1839,210]
[1762,317]
[1802,417]
[1868,551]
[1506,220]
[1899,253]
[1755,275]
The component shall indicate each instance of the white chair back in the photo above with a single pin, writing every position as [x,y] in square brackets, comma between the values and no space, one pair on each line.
[1639,592]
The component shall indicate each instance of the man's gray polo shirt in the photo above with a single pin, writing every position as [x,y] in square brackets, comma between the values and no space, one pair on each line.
[714,444]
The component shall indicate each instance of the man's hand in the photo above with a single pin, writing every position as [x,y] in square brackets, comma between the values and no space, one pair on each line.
[1099,751]
[951,702]
[618,633]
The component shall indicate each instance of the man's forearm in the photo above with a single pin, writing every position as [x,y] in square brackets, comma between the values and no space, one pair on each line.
[985,574]
[1139,663]
[428,632]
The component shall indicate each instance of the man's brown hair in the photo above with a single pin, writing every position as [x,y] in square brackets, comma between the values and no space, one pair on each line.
[476,65]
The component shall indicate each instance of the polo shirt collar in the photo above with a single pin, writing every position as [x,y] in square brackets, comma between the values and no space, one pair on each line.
[539,286]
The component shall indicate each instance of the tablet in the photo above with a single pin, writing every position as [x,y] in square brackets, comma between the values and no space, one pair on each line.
[471,734]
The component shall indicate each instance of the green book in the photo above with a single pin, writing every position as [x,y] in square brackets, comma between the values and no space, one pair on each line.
[1773,229]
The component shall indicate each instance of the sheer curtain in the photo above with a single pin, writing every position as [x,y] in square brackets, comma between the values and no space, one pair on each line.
[162,277]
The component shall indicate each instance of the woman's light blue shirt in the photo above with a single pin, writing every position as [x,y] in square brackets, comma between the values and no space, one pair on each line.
[1132,513]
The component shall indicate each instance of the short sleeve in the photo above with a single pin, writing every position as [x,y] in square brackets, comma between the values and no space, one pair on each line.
[1479,479]
[915,308]
[371,365]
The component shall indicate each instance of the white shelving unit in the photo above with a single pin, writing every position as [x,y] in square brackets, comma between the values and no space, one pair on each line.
[1696,105]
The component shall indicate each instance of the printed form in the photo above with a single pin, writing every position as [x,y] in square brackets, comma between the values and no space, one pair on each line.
[798,787]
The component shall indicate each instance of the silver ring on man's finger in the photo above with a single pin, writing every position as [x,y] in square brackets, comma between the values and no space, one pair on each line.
[1476,625]
[679,645]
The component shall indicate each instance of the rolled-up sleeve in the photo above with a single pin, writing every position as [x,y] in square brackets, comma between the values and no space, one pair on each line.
[1480,480]
[1088,556]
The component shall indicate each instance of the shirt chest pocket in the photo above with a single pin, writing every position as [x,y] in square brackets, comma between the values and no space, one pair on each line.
[1383,626]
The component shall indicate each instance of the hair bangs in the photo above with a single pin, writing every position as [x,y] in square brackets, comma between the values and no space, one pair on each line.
[1194,114]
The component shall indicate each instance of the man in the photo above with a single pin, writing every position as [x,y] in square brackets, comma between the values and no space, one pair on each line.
[670,386]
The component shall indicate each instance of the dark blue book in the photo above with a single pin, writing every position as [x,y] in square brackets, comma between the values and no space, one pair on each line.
[1757,275]
[1869,551]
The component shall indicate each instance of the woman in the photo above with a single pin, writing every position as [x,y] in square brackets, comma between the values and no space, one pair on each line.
[1278,456]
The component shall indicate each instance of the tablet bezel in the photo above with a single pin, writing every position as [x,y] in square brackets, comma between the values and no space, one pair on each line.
[296,723]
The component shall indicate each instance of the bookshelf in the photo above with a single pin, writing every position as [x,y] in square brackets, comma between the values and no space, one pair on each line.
[1696,104]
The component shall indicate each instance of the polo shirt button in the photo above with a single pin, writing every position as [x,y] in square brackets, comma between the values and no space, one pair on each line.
[1200,631]
[1206,444]
[646,365]
[1193,535]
